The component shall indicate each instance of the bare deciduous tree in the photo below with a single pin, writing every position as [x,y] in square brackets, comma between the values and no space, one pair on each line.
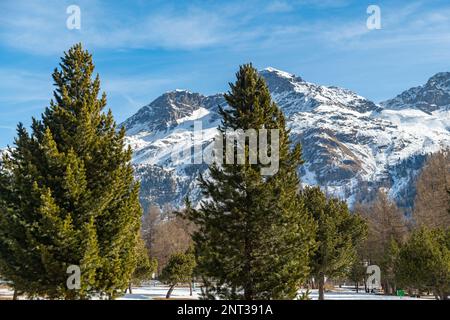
[387,224]
[149,226]
[165,234]
[431,206]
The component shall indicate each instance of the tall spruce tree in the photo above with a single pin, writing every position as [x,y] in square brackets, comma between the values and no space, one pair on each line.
[146,266]
[254,237]
[338,235]
[179,269]
[67,194]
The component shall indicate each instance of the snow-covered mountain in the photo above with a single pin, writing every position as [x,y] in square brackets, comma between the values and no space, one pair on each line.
[433,96]
[351,146]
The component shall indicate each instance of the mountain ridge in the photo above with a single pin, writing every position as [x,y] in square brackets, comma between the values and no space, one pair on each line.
[432,96]
[351,145]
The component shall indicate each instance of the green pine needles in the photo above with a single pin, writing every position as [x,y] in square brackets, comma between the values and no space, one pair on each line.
[67,194]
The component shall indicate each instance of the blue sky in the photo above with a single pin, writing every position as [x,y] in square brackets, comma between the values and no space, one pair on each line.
[144,48]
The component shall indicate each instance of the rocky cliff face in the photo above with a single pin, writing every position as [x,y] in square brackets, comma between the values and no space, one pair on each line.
[351,146]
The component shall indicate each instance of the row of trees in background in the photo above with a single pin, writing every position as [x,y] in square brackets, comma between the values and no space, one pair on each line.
[412,252]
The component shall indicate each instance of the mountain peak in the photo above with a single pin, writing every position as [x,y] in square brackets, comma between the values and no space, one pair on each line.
[167,110]
[295,94]
[432,96]
[180,91]
[440,81]
[280,73]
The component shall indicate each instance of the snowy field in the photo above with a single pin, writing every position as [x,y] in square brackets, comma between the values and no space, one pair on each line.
[156,291]
[159,292]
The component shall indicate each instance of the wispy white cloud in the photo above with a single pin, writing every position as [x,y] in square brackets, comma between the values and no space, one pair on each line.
[20,86]
[410,24]
[136,90]
[6,127]
[279,6]
[134,84]
[40,27]
[324,3]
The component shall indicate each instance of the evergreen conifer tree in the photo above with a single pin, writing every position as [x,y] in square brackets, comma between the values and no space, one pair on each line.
[423,262]
[338,235]
[68,196]
[145,266]
[179,269]
[254,236]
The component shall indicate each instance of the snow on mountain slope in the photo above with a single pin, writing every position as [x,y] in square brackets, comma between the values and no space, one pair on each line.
[351,146]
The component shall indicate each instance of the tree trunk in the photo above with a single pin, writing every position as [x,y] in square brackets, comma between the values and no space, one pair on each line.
[15,294]
[321,286]
[442,295]
[357,286]
[388,288]
[170,291]
[248,285]
[129,288]
[311,284]
[190,288]
[436,295]
[248,293]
